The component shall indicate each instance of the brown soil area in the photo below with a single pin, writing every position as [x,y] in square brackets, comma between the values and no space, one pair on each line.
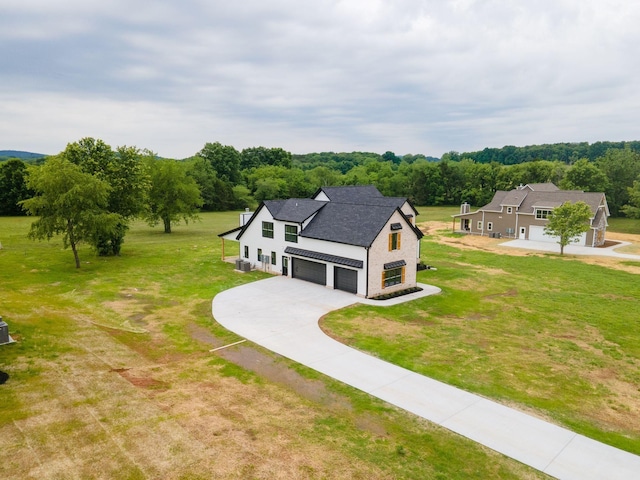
[438,230]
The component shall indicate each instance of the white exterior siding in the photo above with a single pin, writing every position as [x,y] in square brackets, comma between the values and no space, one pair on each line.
[253,239]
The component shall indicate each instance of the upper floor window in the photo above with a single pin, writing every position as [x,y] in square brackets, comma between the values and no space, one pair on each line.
[291,233]
[542,214]
[394,241]
[509,209]
[267,229]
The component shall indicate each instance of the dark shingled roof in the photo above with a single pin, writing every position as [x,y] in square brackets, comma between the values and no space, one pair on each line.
[294,209]
[350,193]
[325,257]
[396,264]
[349,223]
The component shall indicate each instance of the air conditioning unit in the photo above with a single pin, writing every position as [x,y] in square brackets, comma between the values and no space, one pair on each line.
[4,333]
[246,266]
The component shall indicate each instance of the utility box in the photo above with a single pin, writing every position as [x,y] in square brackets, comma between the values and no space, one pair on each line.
[4,333]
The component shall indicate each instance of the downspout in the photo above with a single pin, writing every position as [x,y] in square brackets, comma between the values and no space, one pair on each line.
[516,234]
[366,287]
[482,232]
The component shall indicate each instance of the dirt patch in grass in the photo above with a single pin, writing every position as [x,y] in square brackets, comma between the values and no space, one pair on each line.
[271,368]
[440,231]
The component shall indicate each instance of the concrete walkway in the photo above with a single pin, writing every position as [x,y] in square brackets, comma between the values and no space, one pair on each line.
[572,249]
[282,314]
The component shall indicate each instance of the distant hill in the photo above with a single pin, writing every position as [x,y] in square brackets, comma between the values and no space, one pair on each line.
[21,155]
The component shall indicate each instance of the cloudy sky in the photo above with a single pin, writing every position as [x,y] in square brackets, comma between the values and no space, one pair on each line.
[410,76]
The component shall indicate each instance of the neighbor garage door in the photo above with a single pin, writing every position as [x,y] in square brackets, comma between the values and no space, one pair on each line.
[310,271]
[536,233]
[345,279]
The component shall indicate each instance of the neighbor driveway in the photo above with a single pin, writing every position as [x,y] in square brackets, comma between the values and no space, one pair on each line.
[282,314]
[572,249]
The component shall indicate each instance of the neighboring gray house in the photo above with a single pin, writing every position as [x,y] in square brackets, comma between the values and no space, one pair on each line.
[522,213]
[349,238]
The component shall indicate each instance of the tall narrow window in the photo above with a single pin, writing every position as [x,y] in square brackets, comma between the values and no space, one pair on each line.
[267,229]
[273,258]
[394,241]
[246,251]
[259,254]
[291,233]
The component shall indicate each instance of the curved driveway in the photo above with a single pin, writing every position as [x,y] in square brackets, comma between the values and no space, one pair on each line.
[282,314]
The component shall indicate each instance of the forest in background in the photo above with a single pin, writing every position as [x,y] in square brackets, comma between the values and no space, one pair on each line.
[228,178]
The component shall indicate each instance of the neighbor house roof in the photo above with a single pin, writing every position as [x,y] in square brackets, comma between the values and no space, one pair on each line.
[542,187]
[542,195]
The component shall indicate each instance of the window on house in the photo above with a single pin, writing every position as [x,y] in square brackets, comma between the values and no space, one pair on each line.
[509,209]
[479,224]
[267,229]
[291,233]
[273,258]
[395,276]
[489,226]
[394,241]
[259,254]
[542,214]
[246,251]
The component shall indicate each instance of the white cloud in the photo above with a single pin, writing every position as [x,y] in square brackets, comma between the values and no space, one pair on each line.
[408,75]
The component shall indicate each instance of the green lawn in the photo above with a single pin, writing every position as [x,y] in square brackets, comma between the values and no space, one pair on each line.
[551,335]
[111,377]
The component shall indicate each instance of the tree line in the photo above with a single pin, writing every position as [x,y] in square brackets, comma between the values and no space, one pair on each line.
[103,188]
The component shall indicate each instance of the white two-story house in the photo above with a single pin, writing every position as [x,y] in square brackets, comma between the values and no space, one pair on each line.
[349,238]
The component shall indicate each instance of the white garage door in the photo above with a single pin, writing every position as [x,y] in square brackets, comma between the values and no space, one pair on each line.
[536,233]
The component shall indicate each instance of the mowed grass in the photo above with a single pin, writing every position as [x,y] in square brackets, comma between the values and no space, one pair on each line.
[111,377]
[550,335]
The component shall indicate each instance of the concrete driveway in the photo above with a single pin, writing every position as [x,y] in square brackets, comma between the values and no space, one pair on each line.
[282,314]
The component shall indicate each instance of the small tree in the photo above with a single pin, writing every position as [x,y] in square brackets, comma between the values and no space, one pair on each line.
[70,203]
[568,222]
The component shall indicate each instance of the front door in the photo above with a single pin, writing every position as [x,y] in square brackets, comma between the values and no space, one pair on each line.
[285,266]
[523,233]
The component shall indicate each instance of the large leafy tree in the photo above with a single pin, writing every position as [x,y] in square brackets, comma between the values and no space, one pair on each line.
[568,222]
[621,167]
[260,156]
[69,202]
[217,195]
[584,175]
[126,174]
[173,196]
[13,186]
[224,159]
[632,209]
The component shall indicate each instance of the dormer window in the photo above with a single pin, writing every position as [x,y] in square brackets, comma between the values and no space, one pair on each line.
[396,226]
[543,214]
